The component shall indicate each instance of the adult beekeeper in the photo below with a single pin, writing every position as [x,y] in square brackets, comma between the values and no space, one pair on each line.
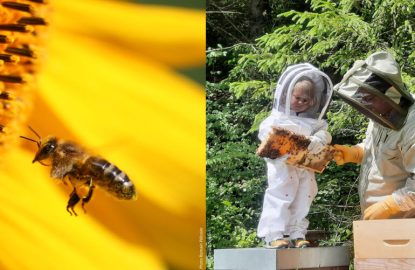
[301,98]
[387,155]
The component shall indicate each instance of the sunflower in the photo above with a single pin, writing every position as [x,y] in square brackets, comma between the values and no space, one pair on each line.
[108,81]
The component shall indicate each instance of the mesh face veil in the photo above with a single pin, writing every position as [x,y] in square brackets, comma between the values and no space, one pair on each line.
[321,91]
[375,88]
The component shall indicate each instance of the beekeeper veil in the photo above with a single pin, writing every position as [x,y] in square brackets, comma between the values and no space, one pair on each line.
[321,91]
[375,88]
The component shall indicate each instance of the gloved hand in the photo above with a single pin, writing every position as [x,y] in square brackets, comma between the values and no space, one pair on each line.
[315,145]
[382,210]
[345,154]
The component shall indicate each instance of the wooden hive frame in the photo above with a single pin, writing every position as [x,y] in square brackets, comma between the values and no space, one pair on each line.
[281,142]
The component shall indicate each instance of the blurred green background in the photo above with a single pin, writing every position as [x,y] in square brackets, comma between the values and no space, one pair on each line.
[196,73]
[200,4]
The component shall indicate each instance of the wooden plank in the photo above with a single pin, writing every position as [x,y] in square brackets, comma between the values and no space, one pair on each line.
[387,239]
[326,268]
[383,264]
[305,258]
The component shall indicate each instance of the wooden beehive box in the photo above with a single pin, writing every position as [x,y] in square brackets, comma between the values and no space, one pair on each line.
[384,244]
[281,142]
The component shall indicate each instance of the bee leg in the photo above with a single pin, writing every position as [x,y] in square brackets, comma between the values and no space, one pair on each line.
[73,200]
[88,196]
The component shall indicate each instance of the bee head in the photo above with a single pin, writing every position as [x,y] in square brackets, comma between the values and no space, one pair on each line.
[46,149]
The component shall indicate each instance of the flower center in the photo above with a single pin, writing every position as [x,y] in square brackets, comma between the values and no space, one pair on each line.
[21,27]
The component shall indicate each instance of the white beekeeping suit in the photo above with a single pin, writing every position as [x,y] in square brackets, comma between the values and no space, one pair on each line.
[290,189]
[387,174]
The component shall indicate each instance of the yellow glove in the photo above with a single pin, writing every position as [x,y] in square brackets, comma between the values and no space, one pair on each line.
[344,154]
[382,210]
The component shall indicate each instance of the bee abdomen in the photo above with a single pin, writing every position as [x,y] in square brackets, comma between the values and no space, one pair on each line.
[110,178]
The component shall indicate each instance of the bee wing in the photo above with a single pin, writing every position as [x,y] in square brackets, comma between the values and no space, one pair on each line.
[69,157]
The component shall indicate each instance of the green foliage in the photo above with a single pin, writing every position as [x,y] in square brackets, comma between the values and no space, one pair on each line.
[231,22]
[220,60]
[259,117]
[346,125]
[329,34]
[337,203]
[235,175]
[256,88]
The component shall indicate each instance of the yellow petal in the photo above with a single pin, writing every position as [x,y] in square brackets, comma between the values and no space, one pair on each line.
[143,221]
[170,35]
[145,119]
[37,232]
[122,104]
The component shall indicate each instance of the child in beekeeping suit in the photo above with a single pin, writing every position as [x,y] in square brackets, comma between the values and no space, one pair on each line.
[301,99]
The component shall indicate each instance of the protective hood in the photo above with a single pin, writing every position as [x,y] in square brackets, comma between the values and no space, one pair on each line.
[323,89]
[375,88]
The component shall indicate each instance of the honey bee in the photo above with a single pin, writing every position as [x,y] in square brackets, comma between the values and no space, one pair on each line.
[72,162]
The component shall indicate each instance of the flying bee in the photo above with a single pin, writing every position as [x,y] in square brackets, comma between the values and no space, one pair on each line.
[71,161]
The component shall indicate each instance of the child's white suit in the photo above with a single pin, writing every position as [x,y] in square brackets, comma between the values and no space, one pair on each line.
[290,189]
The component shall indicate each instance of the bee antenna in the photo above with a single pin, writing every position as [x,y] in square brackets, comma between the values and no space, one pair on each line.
[30,139]
[40,138]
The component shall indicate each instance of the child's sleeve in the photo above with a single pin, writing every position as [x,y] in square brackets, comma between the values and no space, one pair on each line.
[323,135]
[265,127]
